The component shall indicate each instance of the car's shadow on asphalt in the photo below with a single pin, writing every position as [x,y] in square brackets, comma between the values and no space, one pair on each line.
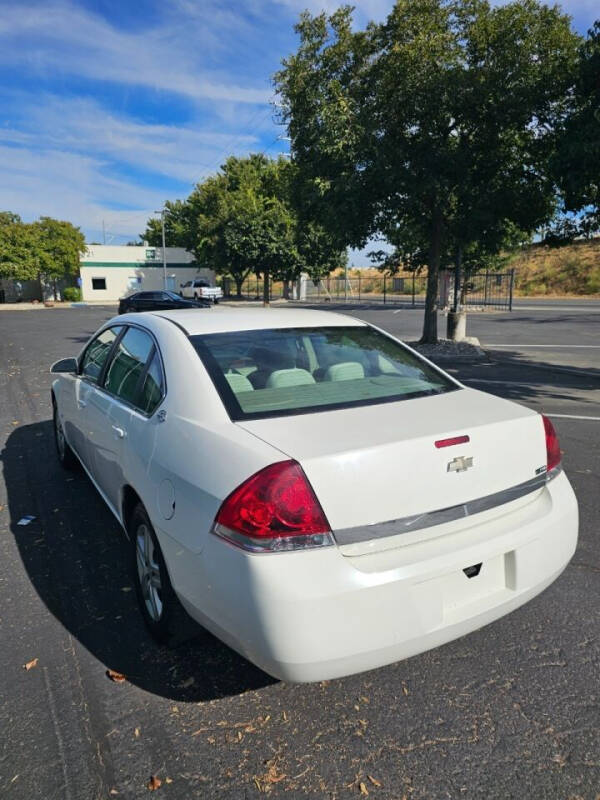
[77,558]
[514,376]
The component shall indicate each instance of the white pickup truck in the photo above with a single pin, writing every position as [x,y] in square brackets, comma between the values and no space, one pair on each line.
[199,289]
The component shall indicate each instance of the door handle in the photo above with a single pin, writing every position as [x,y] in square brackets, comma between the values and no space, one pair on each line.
[120,433]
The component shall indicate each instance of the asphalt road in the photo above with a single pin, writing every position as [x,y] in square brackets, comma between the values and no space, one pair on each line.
[563,335]
[510,711]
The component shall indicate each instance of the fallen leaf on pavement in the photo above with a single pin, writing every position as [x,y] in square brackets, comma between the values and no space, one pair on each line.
[363,788]
[154,783]
[374,781]
[136,733]
[30,664]
[168,780]
[113,792]
[116,677]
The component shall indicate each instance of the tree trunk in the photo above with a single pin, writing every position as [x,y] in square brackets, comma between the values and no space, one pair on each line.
[430,335]
[266,295]
[238,287]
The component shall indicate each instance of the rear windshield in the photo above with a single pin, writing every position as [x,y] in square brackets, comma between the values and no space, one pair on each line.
[268,373]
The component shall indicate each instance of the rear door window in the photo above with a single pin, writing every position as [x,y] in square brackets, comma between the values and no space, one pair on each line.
[153,387]
[125,371]
[97,352]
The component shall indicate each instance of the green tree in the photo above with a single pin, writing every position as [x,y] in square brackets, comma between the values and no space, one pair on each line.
[577,161]
[17,248]
[239,224]
[59,246]
[246,219]
[177,226]
[437,124]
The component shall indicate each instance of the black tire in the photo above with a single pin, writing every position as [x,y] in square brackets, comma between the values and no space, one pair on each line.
[163,614]
[195,295]
[66,457]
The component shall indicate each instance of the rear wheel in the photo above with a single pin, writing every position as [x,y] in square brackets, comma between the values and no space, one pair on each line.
[163,614]
[195,295]
[66,457]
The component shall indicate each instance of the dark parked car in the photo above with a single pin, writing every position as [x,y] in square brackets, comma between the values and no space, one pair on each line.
[157,301]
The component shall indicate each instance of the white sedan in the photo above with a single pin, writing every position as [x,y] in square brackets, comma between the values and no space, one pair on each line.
[310,489]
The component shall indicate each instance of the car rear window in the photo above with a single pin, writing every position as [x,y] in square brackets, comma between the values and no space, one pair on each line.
[266,373]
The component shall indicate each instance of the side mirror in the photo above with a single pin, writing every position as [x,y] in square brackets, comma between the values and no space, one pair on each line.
[64,365]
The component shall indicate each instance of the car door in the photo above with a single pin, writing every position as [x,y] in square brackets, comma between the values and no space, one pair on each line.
[145,301]
[91,368]
[165,301]
[110,408]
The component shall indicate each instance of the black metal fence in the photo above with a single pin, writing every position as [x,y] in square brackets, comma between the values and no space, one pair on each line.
[482,290]
[487,290]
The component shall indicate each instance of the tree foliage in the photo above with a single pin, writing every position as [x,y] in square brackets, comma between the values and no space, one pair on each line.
[17,251]
[577,160]
[434,127]
[244,219]
[47,250]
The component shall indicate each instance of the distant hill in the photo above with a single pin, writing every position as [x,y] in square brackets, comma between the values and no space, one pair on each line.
[543,270]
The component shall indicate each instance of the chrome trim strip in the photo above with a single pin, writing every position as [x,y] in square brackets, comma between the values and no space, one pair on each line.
[379,530]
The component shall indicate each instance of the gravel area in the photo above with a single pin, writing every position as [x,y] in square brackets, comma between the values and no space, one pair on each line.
[446,348]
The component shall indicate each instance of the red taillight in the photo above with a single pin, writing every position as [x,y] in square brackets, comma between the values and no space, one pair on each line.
[275,509]
[552,446]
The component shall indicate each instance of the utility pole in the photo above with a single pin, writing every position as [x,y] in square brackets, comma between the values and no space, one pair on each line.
[164,250]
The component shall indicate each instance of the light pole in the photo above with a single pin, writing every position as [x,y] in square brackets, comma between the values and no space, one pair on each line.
[164,251]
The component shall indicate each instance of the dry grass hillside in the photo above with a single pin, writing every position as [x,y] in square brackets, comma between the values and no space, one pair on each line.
[573,269]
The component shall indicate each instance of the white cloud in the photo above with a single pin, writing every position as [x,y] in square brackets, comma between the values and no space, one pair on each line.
[63,157]
[62,38]
[75,125]
[73,187]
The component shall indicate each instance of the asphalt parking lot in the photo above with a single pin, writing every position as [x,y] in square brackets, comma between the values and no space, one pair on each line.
[510,711]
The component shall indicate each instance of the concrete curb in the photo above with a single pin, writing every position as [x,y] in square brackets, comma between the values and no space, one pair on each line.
[57,306]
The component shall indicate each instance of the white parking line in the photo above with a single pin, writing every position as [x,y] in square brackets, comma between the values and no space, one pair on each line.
[503,383]
[573,416]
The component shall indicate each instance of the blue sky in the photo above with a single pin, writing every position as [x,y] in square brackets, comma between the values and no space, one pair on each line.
[109,108]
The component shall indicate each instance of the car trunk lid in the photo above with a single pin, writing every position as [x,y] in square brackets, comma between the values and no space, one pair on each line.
[379,463]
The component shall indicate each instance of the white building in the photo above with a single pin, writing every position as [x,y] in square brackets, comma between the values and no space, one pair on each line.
[109,272]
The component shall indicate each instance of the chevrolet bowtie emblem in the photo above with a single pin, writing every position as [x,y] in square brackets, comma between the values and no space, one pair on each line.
[460,464]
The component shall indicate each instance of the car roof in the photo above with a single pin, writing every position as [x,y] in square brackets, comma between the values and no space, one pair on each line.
[225,319]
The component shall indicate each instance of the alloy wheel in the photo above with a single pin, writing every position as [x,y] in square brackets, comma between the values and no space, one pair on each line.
[149,572]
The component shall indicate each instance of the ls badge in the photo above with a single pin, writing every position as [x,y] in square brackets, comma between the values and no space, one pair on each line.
[460,464]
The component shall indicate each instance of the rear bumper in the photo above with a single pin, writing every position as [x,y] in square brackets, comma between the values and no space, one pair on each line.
[316,615]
